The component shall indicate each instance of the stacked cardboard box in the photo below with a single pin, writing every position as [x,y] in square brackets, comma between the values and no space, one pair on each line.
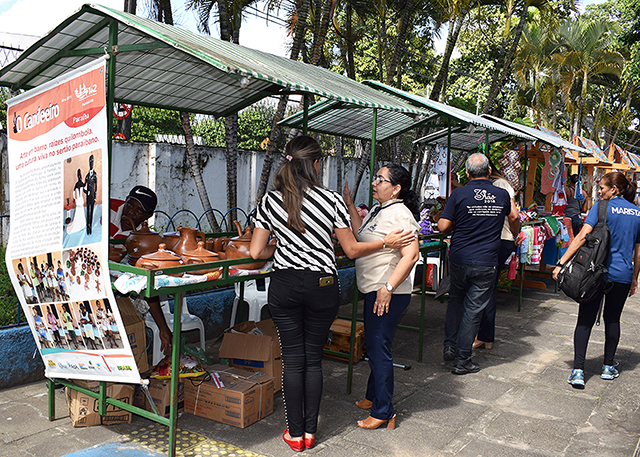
[254,346]
[83,409]
[160,391]
[240,398]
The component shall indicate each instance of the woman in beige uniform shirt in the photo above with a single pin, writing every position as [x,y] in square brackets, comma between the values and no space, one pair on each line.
[384,279]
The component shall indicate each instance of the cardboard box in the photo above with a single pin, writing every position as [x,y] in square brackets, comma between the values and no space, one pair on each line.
[245,398]
[160,391]
[83,409]
[255,351]
[134,326]
[340,338]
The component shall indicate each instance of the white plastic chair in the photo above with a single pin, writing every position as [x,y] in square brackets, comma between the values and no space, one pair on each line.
[257,299]
[188,321]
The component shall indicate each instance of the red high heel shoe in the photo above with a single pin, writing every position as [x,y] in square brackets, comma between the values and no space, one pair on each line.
[295,445]
[309,443]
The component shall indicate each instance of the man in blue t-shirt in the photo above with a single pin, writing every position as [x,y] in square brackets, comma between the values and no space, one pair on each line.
[475,213]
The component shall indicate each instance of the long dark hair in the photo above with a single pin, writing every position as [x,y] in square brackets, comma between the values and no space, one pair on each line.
[626,189]
[398,175]
[295,175]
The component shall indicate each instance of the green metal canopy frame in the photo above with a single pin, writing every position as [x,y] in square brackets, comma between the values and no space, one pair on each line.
[158,65]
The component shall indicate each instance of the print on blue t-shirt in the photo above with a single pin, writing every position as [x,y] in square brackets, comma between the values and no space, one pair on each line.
[623,219]
[477,211]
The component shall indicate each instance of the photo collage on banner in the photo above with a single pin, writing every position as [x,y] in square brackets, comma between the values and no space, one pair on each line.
[57,255]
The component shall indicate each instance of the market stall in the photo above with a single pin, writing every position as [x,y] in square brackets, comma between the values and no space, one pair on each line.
[157,65]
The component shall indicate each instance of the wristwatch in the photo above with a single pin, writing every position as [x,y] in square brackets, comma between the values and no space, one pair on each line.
[559,264]
[389,287]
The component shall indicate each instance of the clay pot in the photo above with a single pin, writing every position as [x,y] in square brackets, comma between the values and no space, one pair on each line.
[188,241]
[160,259]
[117,252]
[216,244]
[171,239]
[200,255]
[142,242]
[239,248]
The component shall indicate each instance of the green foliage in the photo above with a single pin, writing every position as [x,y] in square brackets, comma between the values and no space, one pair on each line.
[4,96]
[254,125]
[146,123]
[9,303]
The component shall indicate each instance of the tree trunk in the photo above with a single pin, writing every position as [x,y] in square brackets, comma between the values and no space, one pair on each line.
[362,166]
[165,15]
[504,65]
[452,38]
[130,6]
[419,165]
[339,155]
[351,69]
[583,102]
[401,41]
[282,103]
[196,171]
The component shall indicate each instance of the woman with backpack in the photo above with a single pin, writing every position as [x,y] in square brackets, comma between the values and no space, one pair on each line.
[623,266]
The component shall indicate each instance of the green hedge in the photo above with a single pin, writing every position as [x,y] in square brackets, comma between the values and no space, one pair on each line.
[8,300]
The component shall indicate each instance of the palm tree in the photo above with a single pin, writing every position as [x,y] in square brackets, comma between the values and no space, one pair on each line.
[585,54]
[162,9]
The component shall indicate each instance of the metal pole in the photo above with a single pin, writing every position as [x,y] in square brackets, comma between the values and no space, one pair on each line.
[373,154]
[175,371]
[352,340]
[446,192]
[305,114]
[524,196]
[111,89]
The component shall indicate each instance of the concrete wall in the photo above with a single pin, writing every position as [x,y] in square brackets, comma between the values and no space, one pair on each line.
[165,168]
[20,362]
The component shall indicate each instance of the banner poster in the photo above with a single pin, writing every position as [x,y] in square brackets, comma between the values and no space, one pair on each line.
[57,254]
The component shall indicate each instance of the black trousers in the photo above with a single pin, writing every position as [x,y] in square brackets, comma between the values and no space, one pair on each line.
[303,311]
[587,314]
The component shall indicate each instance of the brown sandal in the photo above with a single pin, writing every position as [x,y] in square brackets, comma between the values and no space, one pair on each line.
[372,423]
[364,404]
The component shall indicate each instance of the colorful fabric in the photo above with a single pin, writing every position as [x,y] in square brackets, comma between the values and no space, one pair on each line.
[592,148]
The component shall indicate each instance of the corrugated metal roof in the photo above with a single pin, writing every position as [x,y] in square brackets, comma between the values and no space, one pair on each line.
[460,116]
[541,135]
[349,120]
[166,66]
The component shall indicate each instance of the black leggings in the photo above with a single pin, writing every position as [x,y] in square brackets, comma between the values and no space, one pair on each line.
[303,312]
[587,314]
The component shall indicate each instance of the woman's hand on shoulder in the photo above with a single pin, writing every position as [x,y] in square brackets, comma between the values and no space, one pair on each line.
[399,238]
[346,194]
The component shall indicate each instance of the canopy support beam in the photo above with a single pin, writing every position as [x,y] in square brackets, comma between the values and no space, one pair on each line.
[373,155]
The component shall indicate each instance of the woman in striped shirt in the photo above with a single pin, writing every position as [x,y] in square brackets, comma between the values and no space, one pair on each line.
[304,294]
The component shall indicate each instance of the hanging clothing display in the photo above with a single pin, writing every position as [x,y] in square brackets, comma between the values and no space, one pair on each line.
[552,162]
[511,167]
[440,169]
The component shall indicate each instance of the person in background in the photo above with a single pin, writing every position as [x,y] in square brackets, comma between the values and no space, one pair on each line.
[127,215]
[623,266]
[487,329]
[384,277]
[475,213]
[574,207]
[304,294]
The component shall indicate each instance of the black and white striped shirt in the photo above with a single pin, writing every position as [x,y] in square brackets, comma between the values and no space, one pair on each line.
[322,211]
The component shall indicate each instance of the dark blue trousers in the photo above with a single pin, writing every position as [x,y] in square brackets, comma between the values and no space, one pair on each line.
[469,295]
[487,330]
[379,331]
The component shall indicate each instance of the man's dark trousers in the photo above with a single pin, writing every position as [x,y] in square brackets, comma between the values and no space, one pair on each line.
[469,294]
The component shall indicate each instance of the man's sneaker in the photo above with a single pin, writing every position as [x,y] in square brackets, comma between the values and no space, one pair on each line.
[609,372]
[465,368]
[576,379]
[449,354]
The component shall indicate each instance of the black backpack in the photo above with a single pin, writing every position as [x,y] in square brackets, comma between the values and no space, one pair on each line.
[585,275]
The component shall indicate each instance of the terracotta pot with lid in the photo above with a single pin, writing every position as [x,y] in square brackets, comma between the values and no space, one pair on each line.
[200,255]
[239,248]
[141,242]
[160,259]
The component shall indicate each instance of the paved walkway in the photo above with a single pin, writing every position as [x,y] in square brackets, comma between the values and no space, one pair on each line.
[519,404]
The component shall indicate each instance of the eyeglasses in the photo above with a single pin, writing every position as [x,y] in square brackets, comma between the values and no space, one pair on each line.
[378,179]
